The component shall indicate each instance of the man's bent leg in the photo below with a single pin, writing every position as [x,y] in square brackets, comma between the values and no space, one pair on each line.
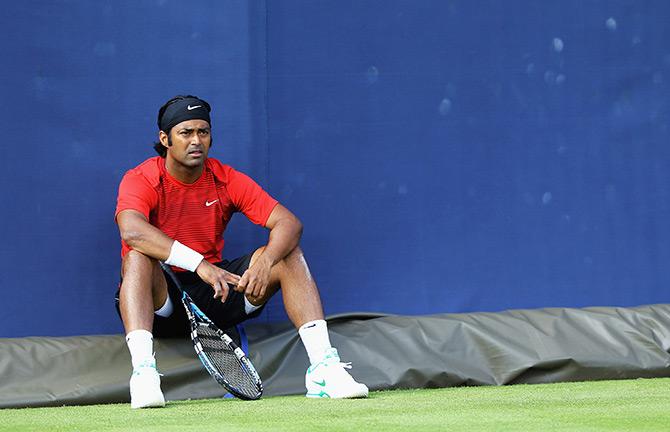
[301,296]
[326,377]
[143,289]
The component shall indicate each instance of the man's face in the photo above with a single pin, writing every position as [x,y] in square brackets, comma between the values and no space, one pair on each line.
[190,141]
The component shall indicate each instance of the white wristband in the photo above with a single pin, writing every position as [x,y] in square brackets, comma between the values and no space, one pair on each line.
[183,257]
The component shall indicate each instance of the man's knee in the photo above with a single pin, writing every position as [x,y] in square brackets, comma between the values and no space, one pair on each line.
[295,257]
[136,262]
[134,259]
[294,262]
[143,272]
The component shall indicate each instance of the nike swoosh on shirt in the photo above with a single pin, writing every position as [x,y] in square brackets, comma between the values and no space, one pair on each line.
[193,107]
[209,203]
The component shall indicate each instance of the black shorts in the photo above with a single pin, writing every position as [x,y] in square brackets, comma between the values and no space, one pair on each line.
[225,315]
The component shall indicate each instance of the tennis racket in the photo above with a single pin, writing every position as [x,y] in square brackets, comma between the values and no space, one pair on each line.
[223,359]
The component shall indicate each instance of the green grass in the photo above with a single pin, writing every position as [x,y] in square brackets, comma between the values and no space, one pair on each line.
[632,405]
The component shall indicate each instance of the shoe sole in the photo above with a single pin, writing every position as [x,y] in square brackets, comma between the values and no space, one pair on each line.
[324,395]
[156,403]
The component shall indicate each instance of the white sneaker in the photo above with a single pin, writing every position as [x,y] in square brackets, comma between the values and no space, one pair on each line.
[329,379]
[145,386]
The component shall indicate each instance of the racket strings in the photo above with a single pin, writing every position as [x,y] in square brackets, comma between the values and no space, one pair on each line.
[226,362]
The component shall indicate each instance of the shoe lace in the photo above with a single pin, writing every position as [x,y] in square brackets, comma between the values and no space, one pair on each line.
[346,365]
[333,357]
[343,365]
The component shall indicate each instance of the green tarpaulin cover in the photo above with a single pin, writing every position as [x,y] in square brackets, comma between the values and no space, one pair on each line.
[387,351]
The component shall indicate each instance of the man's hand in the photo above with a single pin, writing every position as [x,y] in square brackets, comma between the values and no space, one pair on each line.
[255,280]
[217,278]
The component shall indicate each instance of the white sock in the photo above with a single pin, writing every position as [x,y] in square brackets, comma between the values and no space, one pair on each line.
[165,310]
[314,335]
[141,346]
[248,307]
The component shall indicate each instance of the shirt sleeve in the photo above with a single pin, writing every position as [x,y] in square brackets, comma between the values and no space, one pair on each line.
[250,198]
[136,193]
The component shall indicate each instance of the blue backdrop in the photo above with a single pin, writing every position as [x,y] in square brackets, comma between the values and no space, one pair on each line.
[444,156]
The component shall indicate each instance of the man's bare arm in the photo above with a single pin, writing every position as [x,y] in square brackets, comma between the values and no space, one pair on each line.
[285,232]
[145,238]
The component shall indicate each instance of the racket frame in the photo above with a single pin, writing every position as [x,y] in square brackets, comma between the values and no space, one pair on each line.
[197,318]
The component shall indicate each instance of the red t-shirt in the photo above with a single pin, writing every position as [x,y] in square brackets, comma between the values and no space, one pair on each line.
[194,214]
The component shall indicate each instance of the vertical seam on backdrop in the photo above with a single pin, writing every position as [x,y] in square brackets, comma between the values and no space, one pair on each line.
[266,97]
[266,110]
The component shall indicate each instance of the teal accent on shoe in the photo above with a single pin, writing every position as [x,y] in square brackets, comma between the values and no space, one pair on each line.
[321,394]
[331,356]
[322,383]
[147,364]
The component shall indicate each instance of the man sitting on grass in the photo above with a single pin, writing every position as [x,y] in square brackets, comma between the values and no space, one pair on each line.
[174,208]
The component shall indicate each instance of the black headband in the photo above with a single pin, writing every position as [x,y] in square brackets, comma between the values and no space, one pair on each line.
[190,108]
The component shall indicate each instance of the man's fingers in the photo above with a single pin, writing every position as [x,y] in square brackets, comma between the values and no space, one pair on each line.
[256,289]
[232,278]
[224,289]
[259,292]
[250,286]
[218,292]
[243,282]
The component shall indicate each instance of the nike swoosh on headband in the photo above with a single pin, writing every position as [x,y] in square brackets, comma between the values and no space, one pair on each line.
[193,107]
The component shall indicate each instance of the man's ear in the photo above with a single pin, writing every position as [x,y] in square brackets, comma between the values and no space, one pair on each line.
[163,137]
